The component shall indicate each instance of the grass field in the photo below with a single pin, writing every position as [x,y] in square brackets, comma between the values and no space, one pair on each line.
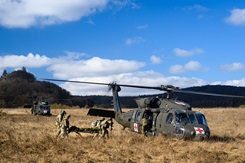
[28,138]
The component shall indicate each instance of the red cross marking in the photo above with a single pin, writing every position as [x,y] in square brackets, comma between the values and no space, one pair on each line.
[136,127]
[199,130]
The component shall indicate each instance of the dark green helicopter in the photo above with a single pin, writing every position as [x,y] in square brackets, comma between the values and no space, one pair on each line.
[164,115]
[40,106]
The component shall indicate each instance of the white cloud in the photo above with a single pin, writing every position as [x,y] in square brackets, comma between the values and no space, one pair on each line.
[92,67]
[90,21]
[190,66]
[134,40]
[144,78]
[26,13]
[236,66]
[30,60]
[237,17]
[240,82]
[177,69]
[124,3]
[96,69]
[185,53]
[155,60]
[71,65]
[74,55]
[235,82]
[141,27]
[195,7]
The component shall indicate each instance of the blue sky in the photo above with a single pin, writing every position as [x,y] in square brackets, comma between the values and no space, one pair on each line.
[180,42]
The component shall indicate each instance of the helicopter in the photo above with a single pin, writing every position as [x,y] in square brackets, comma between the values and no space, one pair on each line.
[40,106]
[165,116]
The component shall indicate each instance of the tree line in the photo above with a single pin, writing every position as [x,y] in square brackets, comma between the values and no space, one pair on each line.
[19,88]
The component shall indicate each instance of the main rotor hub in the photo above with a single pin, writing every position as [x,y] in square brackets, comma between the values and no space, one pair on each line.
[114,86]
[169,88]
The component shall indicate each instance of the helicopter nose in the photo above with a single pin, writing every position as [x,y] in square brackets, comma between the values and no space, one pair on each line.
[201,137]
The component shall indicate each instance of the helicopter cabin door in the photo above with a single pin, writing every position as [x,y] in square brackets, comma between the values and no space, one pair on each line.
[135,124]
[168,121]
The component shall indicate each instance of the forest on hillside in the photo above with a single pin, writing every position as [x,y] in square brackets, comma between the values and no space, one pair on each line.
[18,88]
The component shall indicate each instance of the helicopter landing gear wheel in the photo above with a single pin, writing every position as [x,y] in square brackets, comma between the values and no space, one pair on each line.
[180,132]
[33,112]
[180,136]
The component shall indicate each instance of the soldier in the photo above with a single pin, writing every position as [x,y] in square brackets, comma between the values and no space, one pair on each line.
[58,122]
[65,126]
[111,124]
[144,121]
[96,123]
[104,125]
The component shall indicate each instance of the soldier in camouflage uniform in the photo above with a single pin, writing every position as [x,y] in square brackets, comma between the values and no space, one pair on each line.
[58,122]
[65,126]
[104,125]
[144,122]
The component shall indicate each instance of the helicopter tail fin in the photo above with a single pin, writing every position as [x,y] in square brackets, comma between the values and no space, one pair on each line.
[116,102]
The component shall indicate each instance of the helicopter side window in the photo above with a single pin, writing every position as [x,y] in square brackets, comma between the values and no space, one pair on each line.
[138,116]
[134,115]
[169,118]
[192,119]
[201,119]
[182,118]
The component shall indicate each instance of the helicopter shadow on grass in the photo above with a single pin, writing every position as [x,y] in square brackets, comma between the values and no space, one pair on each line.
[216,138]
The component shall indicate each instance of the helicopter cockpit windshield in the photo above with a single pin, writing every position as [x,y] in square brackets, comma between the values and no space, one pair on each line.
[197,118]
[201,119]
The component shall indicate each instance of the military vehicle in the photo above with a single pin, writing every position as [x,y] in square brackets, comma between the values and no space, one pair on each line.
[40,107]
[166,116]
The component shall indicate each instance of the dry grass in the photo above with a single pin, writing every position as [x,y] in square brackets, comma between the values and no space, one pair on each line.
[28,138]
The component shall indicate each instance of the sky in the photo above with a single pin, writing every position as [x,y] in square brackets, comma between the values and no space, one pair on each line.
[139,42]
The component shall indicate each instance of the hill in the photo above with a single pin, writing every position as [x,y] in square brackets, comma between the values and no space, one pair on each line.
[18,87]
[213,101]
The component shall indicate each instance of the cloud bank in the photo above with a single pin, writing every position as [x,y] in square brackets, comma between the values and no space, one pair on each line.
[236,66]
[185,53]
[73,66]
[27,13]
[135,40]
[92,67]
[155,60]
[190,66]
[31,60]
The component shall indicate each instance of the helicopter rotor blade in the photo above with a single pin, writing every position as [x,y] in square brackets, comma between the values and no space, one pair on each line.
[208,94]
[108,84]
[73,81]
[168,88]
